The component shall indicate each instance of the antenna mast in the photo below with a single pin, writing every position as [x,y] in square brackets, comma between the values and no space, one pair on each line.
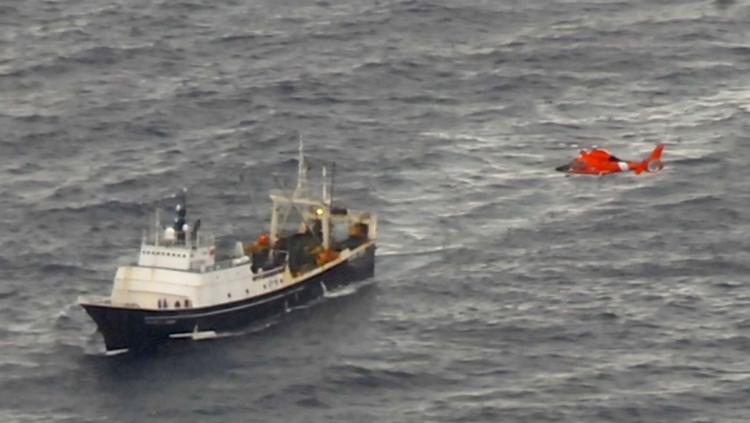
[157,229]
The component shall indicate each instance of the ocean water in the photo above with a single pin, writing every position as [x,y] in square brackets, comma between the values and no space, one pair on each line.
[504,291]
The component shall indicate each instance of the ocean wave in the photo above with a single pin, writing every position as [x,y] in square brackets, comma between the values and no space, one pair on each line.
[112,206]
[101,56]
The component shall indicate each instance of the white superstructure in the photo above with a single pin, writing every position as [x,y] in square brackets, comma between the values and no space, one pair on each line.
[177,268]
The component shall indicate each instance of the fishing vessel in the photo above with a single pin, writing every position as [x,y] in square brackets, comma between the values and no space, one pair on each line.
[178,288]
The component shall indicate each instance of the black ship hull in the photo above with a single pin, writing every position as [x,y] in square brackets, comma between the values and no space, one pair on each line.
[134,329]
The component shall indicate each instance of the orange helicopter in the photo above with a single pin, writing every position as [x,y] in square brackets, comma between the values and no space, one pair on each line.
[599,161]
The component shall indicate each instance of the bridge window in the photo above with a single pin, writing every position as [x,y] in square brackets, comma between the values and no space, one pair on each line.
[187,303]
[177,304]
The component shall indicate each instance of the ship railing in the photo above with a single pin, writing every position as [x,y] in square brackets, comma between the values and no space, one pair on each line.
[198,240]
[223,264]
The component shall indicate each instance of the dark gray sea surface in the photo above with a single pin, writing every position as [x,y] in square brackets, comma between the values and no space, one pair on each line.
[504,291]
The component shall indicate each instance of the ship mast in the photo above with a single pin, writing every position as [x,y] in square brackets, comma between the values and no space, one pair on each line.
[330,192]
[325,216]
[301,171]
[276,220]
[300,202]
[325,187]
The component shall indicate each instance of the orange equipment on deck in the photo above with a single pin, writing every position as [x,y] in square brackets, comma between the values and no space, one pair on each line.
[261,243]
[326,256]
